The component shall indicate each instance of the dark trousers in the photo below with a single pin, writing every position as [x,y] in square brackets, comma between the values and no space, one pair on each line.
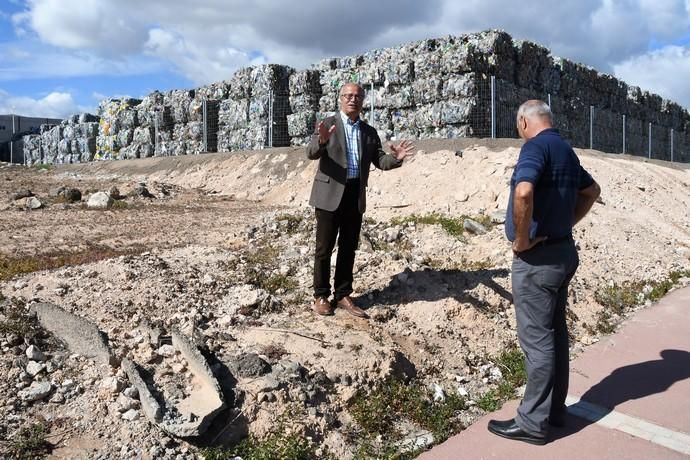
[344,223]
[540,280]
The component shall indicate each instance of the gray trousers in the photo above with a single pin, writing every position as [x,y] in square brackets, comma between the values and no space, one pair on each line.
[540,280]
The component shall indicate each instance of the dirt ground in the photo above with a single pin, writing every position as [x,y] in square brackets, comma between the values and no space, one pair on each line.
[439,304]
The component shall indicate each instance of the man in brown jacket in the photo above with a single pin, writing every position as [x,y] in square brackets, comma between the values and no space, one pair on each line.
[346,147]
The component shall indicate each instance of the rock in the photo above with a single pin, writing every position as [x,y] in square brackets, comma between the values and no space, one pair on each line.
[34,368]
[34,203]
[22,194]
[141,191]
[473,226]
[461,197]
[34,354]
[111,384]
[166,350]
[250,365]
[131,415]
[498,216]
[125,403]
[71,195]
[131,392]
[20,284]
[100,200]
[36,391]
[391,234]
[114,193]
[462,391]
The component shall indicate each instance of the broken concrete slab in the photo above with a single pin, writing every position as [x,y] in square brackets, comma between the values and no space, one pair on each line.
[80,335]
[192,415]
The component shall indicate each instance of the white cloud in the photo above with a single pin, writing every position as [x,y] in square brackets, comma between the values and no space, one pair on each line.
[54,105]
[665,72]
[209,40]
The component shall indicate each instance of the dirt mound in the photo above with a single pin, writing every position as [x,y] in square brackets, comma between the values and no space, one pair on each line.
[222,250]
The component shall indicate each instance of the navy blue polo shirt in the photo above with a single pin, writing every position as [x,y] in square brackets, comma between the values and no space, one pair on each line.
[548,162]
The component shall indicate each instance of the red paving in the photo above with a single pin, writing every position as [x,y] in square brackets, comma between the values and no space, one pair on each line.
[641,373]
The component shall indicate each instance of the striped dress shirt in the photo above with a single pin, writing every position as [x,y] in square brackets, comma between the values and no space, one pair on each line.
[352,135]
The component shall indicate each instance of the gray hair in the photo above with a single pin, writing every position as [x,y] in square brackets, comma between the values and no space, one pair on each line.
[535,109]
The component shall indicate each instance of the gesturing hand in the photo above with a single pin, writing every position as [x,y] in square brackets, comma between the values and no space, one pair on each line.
[324,133]
[402,150]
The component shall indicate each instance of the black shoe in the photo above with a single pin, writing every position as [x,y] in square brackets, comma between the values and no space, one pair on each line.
[510,430]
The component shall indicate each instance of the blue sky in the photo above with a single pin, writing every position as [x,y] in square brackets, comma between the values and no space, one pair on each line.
[59,57]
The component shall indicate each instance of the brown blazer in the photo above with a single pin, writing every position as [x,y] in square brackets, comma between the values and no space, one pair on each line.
[329,182]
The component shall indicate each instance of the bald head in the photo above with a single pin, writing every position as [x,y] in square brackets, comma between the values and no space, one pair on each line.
[533,117]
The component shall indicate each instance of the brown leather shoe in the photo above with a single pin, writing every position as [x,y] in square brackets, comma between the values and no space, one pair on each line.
[349,306]
[322,306]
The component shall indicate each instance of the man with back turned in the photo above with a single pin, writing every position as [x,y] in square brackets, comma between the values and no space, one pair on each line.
[549,193]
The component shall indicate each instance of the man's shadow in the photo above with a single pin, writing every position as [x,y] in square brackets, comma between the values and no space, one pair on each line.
[432,285]
[626,383]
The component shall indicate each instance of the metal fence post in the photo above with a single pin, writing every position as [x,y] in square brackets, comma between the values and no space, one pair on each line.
[671,145]
[649,148]
[204,113]
[156,144]
[270,119]
[493,107]
[12,141]
[371,99]
[591,127]
[623,134]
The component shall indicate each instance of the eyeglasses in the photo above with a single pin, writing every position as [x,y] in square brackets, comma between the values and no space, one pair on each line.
[349,97]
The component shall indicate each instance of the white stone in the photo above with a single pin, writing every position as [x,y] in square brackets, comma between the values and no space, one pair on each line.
[33,368]
[37,390]
[131,415]
[111,384]
[34,354]
[100,200]
[166,350]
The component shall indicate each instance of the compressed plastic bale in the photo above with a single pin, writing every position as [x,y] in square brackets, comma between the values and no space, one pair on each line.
[458,86]
[234,114]
[429,115]
[402,119]
[395,97]
[258,109]
[399,73]
[124,137]
[427,90]
[301,124]
[328,103]
[129,152]
[380,120]
[304,102]
[305,82]
[87,118]
[456,111]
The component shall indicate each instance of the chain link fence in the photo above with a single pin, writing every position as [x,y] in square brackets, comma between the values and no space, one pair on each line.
[482,107]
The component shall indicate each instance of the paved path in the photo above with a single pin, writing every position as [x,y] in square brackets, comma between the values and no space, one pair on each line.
[629,398]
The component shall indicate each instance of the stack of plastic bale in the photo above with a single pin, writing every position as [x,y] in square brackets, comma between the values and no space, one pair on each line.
[245,117]
[466,64]
[185,135]
[149,112]
[211,95]
[305,94]
[85,145]
[118,120]
[32,149]
[50,141]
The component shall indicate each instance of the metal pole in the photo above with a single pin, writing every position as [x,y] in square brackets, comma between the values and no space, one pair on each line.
[270,120]
[623,134]
[549,98]
[205,125]
[671,145]
[649,149]
[493,107]
[371,99]
[591,127]
[12,140]
[156,144]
